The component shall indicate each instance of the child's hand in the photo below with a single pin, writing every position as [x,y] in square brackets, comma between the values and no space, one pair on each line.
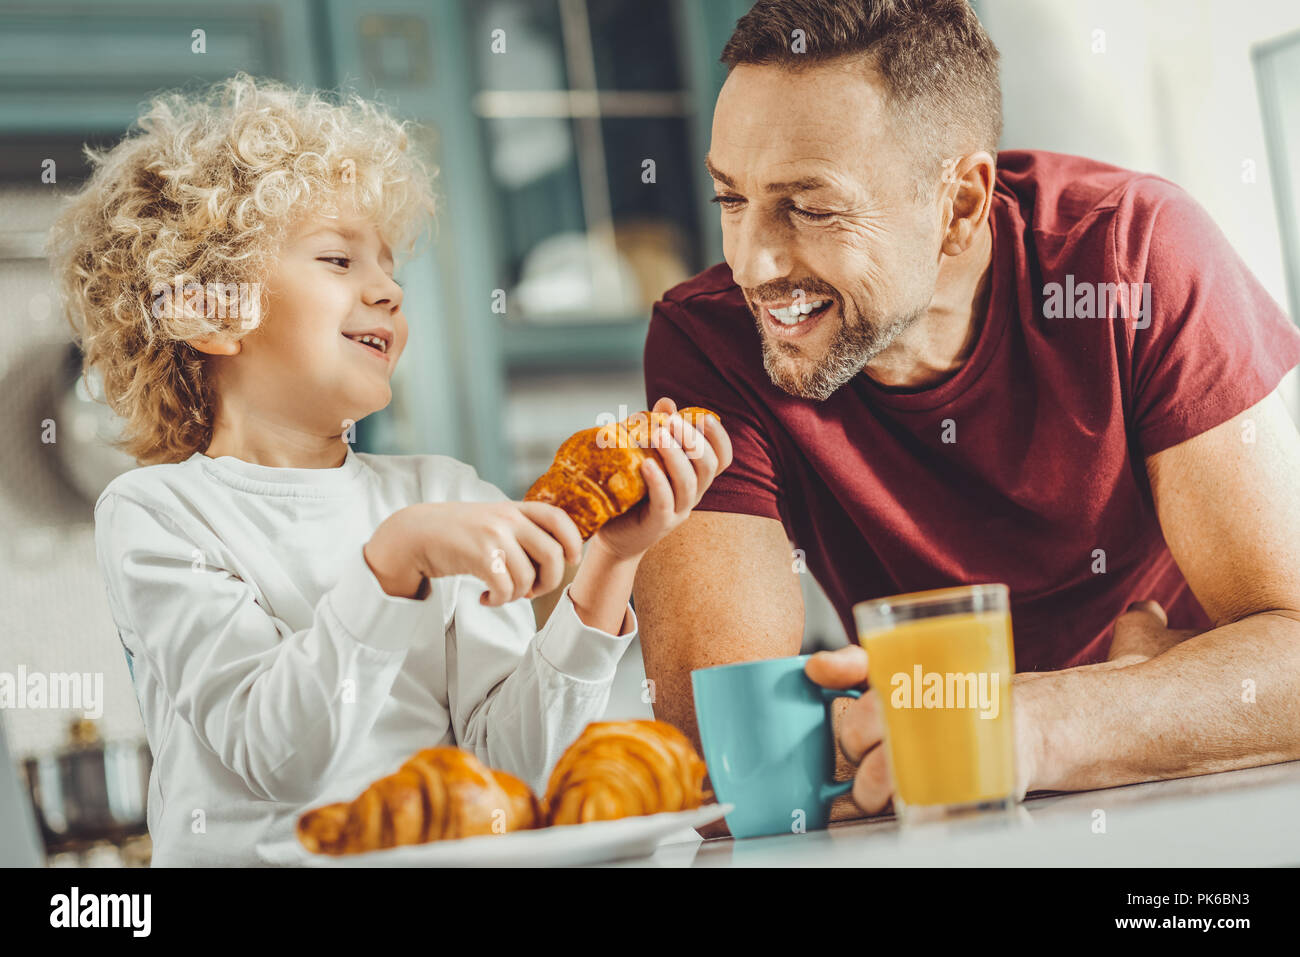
[693,456]
[518,549]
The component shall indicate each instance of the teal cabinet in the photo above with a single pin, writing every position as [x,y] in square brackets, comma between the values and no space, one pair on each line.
[569,137]
[83,67]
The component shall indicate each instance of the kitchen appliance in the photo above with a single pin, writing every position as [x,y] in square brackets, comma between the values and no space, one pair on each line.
[90,790]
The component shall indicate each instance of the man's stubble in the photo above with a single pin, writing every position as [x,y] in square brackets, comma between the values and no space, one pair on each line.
[856,343]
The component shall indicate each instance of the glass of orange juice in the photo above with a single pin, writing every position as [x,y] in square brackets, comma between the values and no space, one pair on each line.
[940,663]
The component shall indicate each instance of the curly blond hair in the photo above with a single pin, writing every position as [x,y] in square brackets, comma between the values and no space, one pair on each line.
[205,192]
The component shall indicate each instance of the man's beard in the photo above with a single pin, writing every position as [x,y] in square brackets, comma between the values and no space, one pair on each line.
[854,345]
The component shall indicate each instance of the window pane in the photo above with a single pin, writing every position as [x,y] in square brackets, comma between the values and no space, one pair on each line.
[534,167]
[533,57]
[634,44]
[670,201]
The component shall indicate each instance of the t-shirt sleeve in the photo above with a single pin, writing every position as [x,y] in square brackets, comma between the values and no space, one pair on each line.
[1216,342]
[677,367]
[518,697]
[265,699]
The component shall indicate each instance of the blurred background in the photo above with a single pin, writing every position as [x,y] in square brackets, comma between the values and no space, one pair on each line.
[569,136]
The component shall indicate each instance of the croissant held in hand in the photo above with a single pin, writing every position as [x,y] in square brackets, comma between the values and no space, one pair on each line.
[439,794]
[596,475]
[623,768]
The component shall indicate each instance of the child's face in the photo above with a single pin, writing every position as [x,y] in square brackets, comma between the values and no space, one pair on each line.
[333,279]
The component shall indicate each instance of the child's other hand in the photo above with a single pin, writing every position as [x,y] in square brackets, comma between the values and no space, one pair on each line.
[517,549]
[693,456]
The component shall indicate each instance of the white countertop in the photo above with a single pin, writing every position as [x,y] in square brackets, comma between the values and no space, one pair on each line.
[1235,818]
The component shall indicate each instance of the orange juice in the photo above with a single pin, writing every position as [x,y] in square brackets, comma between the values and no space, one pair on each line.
[944,685]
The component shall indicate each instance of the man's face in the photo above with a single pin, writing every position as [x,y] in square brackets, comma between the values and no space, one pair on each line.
[332,282]
[819,217]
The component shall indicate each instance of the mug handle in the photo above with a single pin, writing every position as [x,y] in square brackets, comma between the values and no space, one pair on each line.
[833,789]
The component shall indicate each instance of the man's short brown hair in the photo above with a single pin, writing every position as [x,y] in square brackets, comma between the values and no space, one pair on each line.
[939,67]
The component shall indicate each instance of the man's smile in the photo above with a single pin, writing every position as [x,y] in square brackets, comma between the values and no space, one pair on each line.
[794,319]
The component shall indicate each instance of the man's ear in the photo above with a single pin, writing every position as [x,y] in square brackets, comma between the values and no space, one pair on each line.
[217,345]
[968,199]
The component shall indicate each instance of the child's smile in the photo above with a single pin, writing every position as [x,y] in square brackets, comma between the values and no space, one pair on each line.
[326,349]
[377,342]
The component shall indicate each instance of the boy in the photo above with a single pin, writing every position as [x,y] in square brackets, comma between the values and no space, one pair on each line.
[300,618]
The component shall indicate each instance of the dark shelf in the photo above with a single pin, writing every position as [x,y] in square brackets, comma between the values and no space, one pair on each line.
[529,346]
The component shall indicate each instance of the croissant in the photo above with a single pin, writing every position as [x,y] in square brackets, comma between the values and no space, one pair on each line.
[439,794]
[596,475]
[623,768]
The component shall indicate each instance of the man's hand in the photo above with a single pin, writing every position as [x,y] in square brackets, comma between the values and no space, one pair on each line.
[1142,632]
[861,731]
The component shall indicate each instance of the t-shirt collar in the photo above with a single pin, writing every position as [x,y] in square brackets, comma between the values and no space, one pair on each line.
[247,475]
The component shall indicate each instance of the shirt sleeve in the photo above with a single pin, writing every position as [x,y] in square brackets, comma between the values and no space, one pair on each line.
[1214,342]
[677,367]
[281,709]
[518,696]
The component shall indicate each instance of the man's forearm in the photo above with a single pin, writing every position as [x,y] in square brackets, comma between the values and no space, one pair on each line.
[1221,700]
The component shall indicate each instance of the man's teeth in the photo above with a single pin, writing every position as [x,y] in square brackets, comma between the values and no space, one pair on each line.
[371,341]
[796,312]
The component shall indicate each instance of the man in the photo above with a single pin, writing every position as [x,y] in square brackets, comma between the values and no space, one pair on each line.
[940,366]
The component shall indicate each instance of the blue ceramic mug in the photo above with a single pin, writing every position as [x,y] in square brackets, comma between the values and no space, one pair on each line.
[768,741]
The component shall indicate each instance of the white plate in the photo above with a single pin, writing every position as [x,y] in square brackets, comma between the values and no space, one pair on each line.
[562,846]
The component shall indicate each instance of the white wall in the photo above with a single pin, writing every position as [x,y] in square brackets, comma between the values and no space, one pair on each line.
[1173,93]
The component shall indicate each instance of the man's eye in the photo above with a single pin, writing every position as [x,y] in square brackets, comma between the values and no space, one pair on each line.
[727,202]
[336,259]
[810,216]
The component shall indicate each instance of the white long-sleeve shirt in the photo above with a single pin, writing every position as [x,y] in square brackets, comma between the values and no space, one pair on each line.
[273,672]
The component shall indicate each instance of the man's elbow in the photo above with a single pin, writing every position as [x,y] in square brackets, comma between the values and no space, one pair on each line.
[1289,612]
[672,692]
[1291,615]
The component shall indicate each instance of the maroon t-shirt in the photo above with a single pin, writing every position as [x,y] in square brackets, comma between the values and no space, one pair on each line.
[1045,486]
